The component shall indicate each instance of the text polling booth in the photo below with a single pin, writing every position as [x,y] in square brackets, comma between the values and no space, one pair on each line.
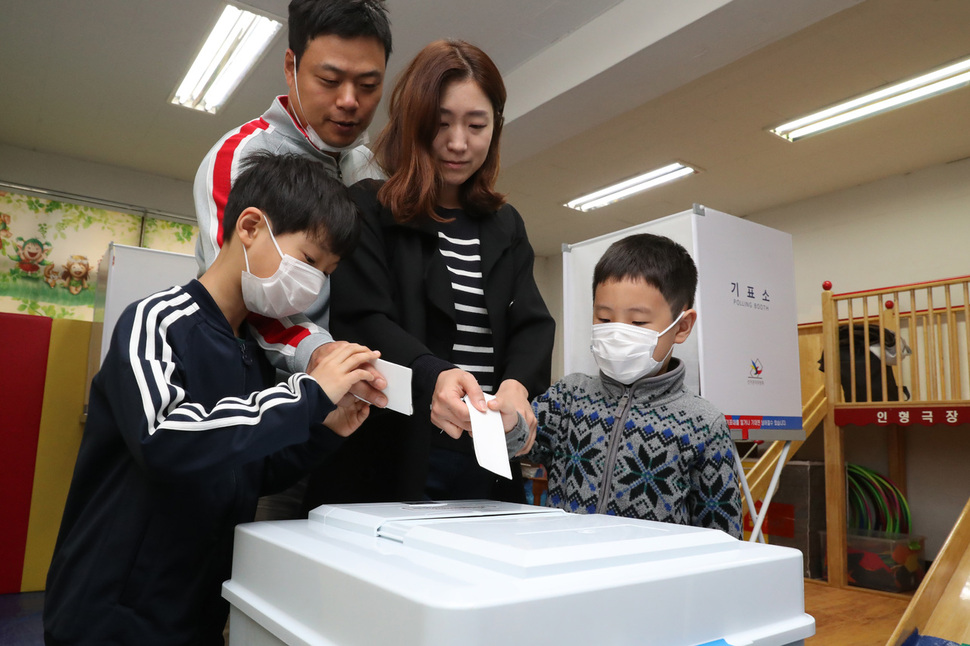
[743,353]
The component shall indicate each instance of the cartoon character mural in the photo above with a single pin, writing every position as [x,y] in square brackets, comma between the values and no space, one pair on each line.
[4,230]
[52,276]
[51,269]
[31,254]
[74,274]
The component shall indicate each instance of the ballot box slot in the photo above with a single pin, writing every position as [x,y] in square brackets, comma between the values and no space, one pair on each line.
[529,546]
[369,518]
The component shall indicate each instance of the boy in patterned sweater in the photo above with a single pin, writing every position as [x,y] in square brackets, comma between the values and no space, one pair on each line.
[633,441]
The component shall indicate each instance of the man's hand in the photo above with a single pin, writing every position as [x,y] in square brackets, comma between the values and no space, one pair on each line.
[343,367]
[347,418]
[370,391]
[448,411]
[512,400]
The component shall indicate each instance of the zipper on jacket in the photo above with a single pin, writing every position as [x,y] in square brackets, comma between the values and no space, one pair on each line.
[244,351]
[613,448]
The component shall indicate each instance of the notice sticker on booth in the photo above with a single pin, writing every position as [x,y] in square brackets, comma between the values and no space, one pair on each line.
[488,436]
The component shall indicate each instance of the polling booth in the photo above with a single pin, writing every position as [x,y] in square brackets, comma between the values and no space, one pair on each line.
[481,573]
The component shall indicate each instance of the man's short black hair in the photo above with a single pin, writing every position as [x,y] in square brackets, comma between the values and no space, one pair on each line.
[344,18]
[297,194]
[658,261]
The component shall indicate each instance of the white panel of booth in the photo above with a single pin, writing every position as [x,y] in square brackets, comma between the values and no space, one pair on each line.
[743,354]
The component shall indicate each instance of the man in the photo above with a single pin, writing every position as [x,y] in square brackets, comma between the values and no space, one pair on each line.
[334,69]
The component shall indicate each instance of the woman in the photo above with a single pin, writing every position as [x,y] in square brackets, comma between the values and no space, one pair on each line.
[441,282]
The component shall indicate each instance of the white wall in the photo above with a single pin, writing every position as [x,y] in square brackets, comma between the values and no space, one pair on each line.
[548,274]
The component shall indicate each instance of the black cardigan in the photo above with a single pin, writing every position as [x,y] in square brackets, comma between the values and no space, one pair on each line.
[393,294]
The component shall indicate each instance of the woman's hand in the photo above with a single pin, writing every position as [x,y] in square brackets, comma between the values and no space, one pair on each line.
[448,411]
[512,400]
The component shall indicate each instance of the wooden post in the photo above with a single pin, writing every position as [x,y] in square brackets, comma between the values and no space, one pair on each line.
[897,456]
[835,524]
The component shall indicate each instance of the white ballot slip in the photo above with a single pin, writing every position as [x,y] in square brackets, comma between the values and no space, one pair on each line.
[398,391]
[488,436]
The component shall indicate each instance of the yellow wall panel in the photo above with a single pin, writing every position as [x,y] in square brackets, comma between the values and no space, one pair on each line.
[57,445]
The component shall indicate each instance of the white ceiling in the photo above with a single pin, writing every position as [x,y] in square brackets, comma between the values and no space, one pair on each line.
[598,91]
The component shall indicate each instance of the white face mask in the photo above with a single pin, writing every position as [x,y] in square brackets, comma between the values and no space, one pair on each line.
[625,352]
[312,135]
[291,289]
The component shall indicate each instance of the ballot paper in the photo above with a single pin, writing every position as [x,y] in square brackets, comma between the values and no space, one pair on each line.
[488,435]
[398,390]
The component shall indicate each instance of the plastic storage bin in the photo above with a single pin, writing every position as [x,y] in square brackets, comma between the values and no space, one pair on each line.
[884,561]
[486,573]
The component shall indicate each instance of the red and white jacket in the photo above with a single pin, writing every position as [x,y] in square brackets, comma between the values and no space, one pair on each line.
[288,342]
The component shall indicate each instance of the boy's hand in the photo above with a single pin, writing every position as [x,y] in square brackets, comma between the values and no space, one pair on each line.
[448,411]
[512,400]
[343,367]
[371,391]
[347,418]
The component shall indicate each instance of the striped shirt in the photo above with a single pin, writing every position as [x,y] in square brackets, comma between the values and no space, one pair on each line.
[459,245]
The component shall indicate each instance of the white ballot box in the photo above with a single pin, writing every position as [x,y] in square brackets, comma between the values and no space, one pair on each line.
[499,574]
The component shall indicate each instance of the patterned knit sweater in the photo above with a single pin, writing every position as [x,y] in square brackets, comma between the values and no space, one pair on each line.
[649,450]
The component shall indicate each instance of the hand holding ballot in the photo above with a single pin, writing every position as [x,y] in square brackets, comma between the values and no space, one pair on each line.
[453,389]
[369,391]
[504,412]
[511,398]
[348,364]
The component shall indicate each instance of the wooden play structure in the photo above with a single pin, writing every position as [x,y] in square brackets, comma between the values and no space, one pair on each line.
[893,357]
[914,372]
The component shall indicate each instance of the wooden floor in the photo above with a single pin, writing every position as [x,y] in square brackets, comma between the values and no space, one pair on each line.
[842,617]
[848,617]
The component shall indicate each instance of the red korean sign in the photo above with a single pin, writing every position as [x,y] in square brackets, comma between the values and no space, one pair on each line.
[903,415]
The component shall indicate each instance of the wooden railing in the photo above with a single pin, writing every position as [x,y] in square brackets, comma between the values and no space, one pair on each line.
[918,339]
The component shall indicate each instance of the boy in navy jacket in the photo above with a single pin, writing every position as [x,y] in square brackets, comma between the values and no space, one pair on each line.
[185,428]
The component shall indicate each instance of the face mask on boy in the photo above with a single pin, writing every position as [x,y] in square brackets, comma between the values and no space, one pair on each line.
[291,289]
[625,352]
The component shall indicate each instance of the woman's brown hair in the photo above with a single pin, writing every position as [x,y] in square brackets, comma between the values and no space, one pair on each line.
[403,149]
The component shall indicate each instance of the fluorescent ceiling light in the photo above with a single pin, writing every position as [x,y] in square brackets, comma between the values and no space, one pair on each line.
[629,187]
[235,44]
[922,87]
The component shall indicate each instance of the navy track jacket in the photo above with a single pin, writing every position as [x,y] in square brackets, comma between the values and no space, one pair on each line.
[183,435]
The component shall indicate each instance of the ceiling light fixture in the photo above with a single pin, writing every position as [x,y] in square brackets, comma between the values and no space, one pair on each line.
[234,45]
[631,186]
[894,96]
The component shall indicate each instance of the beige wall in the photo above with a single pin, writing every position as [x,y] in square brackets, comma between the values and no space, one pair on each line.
[898,230]
[88,179]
